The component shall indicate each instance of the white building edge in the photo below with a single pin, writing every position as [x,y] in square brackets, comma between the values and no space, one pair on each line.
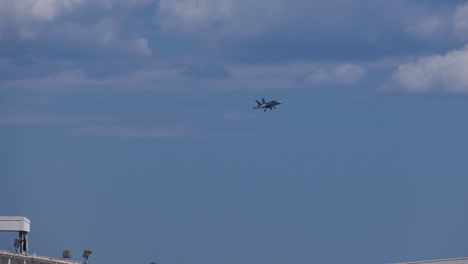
[440,261]
[18,258]
[22,225]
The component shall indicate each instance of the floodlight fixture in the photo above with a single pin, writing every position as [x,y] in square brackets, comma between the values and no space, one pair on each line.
[17,244]
[86,254]
[67,254]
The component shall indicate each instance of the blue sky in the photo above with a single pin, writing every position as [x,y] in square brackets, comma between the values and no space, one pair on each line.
[127,128]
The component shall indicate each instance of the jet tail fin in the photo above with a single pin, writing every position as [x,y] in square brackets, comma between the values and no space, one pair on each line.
[263,101]
[258,102]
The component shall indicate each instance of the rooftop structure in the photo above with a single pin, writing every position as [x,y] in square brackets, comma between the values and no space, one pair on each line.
[17,224]
[20,256]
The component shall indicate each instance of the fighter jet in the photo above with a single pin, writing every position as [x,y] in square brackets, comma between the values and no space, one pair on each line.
[266,105]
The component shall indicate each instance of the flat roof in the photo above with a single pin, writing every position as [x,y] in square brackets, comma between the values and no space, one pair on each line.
[15,223]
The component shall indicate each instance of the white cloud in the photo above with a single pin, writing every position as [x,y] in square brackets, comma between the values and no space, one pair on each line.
[164,76]
[348,73]
[36,21]
[103,37]
[139,46]
[47,10]
[460,21]
[427,26]
[68,79]
[107,33]
[193,15]
[436,24]
[128,132]
[25,18]
[345,73]
[447,73]
[112,4]
[25,119]
[175,130]
[63,80]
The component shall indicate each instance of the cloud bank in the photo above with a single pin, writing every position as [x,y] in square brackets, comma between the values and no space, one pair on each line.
[345,74]
[203,43]
[438,73]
